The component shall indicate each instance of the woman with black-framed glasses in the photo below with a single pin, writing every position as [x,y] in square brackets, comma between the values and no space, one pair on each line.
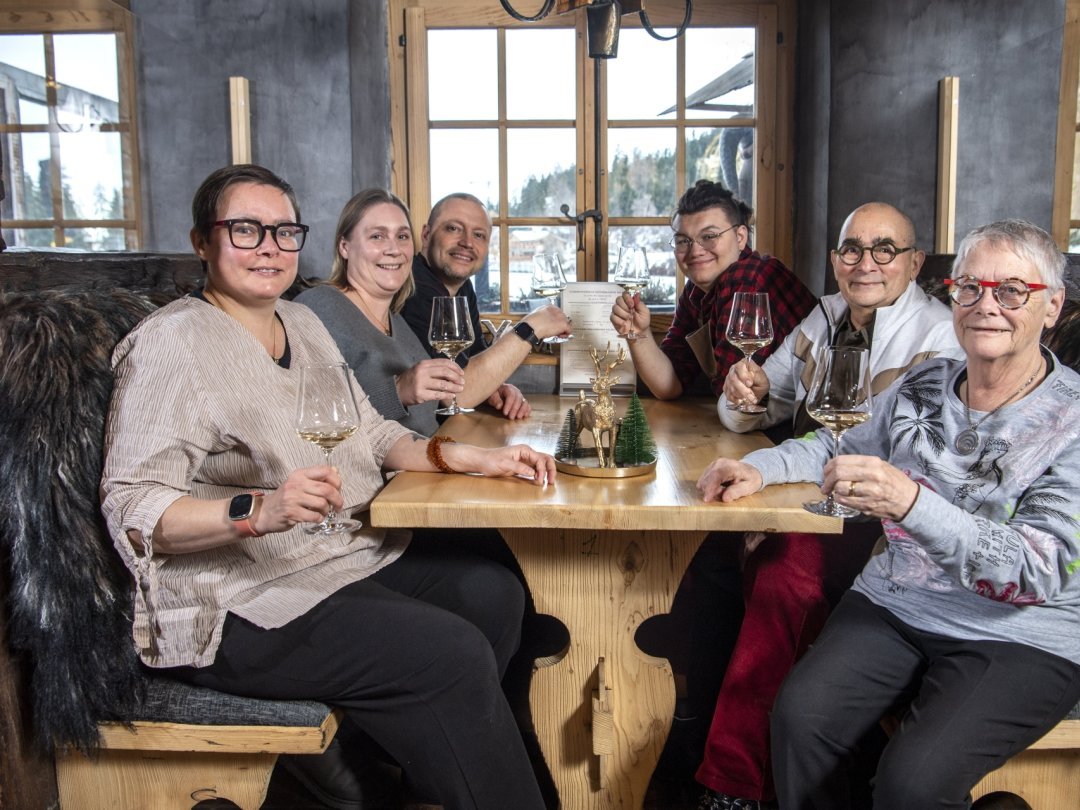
[208,485]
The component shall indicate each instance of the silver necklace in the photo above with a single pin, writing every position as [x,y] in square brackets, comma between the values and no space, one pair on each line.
[367,312]
[968,440]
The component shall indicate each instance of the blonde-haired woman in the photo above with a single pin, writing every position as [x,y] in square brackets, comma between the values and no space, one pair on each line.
[370,280]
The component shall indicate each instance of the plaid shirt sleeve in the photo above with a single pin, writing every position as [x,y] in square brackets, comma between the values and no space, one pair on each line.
[789,302]
[685,321]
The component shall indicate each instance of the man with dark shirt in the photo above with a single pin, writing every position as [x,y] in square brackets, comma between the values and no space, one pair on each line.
[454,248]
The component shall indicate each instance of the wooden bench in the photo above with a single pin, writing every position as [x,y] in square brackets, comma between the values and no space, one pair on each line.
[168,765]
[1046,775]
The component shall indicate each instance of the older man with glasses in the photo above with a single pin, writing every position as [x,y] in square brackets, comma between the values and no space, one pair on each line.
[791,581]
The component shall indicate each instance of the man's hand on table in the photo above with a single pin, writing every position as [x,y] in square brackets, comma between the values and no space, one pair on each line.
[728,480]
[510,402]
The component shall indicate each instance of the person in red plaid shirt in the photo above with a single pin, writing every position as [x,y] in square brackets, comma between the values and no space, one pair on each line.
[712,249]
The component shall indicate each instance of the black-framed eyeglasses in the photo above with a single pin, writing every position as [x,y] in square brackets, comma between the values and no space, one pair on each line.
[248,234]
[882,253]
[683,243]
[1011,293]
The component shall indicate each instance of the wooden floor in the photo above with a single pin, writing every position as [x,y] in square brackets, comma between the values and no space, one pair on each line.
[287,794]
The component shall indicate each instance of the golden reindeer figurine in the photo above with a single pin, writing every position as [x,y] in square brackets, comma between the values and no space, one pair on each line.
[598,415]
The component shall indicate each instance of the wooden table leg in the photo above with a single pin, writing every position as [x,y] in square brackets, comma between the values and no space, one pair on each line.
[602,585]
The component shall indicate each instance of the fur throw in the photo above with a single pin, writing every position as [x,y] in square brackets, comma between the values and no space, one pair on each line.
[70,595]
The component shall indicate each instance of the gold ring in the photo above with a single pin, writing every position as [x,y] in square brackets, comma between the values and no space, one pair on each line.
[851,490]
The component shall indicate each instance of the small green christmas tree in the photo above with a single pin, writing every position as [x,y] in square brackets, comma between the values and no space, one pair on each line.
[567,445]
[635,444]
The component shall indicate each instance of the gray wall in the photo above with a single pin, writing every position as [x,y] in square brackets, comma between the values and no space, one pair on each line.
[875,68]
[319,105]
[866,108]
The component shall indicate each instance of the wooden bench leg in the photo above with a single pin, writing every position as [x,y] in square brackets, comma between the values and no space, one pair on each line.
[1047,779]
[173,780]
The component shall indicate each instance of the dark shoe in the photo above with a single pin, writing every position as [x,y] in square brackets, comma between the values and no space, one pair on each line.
[711,800]
[344,781]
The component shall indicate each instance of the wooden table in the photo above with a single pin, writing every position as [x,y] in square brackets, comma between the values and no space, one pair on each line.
[602,556]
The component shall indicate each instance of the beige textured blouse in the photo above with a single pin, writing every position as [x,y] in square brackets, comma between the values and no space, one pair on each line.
[200,409]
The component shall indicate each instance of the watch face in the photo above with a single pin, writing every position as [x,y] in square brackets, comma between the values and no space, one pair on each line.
[241,506]
[526,333]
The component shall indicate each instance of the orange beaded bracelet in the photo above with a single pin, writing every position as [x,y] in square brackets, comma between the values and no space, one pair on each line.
[434,453]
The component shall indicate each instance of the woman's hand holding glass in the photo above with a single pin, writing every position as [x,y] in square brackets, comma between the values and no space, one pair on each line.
[326,415]
[873,485]
[435,379]
[450,334]
[306,496]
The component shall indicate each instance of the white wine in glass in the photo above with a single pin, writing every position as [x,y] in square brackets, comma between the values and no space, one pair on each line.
[326,415]
[839,398]
[548,281]
[632,274]
[450,334]
[749,329]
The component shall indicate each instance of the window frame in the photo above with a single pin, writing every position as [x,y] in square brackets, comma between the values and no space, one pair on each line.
[1068,130]
[409,20]
[49,17]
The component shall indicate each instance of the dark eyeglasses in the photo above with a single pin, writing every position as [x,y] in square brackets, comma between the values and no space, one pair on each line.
[248,234]
[881,253]
[1012,293]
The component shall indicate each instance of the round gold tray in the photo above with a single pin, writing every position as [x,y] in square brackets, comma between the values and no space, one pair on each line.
[586,465]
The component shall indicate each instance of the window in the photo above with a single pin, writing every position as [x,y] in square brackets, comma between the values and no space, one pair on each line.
[68,132]
[520,116]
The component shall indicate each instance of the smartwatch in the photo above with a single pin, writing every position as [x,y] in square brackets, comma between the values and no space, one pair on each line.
[528,334]
[241,510]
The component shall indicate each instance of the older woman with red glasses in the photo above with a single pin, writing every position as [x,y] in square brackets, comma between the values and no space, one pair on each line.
[968,615]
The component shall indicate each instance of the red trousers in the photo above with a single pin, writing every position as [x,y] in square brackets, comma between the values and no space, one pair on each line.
[790,583]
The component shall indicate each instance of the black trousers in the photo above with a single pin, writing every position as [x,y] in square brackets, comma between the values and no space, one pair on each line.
[970,706]
[414,654]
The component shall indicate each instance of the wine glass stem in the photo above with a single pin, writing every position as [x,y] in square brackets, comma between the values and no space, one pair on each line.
[453,396]
[835,452]
[329,515]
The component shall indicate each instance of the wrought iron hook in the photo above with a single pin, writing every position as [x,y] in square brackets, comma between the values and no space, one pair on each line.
[591,213]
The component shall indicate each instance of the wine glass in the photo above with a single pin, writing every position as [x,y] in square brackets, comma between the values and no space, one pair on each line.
[548,281]
[749,328]
[839,398]
[326,415]
[632,274]
[450,334]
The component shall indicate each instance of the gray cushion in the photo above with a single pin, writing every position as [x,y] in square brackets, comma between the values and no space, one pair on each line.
[176,702]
